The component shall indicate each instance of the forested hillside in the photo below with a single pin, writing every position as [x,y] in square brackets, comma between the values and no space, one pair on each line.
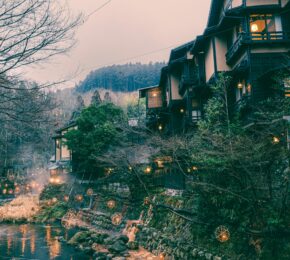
[124,78]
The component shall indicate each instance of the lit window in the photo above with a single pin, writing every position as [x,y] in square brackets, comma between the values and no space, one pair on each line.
[262,26]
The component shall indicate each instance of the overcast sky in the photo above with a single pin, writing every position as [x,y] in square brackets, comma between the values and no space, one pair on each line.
[124,31]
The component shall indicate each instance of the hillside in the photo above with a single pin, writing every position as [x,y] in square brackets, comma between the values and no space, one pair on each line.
[122,78]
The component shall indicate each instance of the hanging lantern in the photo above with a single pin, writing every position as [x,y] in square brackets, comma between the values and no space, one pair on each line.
[10,191]
[160,127]
[66,198]
[79,197]
[54,200]
[181,110]
[111,204]
[117,219]
[194,168]
[90,192]
[222,234]
[4,191]
[276,140]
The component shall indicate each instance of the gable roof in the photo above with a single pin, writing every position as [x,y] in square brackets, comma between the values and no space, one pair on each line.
[215,8]
[179,53]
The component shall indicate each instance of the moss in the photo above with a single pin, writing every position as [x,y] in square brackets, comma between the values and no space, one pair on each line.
[80,237]
[52,213]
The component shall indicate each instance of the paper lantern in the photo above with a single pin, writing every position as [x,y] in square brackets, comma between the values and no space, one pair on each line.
[222,234]
[117,219]
[90,192]
[111,204]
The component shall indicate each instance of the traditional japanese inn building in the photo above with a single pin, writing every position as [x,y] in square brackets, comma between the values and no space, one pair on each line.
[249,40]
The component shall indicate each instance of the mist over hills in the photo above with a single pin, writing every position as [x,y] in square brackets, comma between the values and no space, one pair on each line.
[122,78]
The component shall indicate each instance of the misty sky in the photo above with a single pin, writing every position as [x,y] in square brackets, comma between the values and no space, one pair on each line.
[123,30]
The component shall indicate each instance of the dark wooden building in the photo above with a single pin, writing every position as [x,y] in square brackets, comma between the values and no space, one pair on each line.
[247,39]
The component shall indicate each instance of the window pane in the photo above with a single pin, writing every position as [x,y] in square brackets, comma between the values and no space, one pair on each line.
[257,23]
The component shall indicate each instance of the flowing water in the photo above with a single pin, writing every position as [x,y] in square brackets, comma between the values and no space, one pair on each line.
[36,242]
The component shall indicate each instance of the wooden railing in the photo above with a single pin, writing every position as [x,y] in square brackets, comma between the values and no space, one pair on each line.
[257,37]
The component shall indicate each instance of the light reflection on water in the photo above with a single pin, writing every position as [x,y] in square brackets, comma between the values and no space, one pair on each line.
[35,242]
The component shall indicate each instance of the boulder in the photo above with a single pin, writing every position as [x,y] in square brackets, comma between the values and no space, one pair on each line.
[118,247]
[133,245]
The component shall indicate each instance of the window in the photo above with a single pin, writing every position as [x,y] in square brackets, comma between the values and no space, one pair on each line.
[264,26]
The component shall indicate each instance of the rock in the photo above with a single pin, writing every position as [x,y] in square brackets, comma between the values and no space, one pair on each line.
[79,237]
[88,250]
[133,245]
[118,247]
[208,256]
[108,241]
[194,252]
[100,256]
[123,238]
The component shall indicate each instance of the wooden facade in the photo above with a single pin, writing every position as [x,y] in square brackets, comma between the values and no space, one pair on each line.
[248,39]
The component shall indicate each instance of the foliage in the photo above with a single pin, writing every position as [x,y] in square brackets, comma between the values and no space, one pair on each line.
[128,77]
[52,212]
[98,128]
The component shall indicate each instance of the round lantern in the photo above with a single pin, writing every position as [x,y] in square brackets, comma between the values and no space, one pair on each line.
[222,234]
[79,197]
[66,198]
[117,219]
[111,204]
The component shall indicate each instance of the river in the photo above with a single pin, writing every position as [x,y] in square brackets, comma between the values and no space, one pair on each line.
[39,242]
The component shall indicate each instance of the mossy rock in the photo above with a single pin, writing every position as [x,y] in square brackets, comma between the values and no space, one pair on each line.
[79,237]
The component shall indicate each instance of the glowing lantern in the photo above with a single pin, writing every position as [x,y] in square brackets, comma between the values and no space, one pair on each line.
[130,168]
[222,234]
[54,200]
[90,192]
[4,191]
[276,140]
[111,204]
[148,169]
[194,168]
[117,219]
[162,256]
[188,170]
[6,185]
[254,27]
[160,127]
[181,110]
[240,85]
[79,197]
[154,94]
[66,198]
[10,191]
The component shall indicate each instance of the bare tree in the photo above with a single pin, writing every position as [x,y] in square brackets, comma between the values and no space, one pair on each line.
[32,31]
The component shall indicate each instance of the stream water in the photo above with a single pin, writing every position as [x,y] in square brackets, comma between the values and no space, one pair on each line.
[36,242]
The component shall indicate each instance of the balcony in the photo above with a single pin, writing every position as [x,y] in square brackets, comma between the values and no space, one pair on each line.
[245,39]
[233,5]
